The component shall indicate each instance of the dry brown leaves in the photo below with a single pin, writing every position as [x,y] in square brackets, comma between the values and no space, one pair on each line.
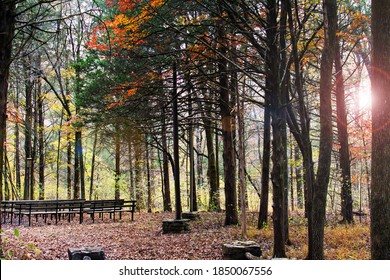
[142,239]
[125,239]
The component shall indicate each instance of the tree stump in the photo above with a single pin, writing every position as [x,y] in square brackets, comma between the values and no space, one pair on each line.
[86,253]
[176,226]
[190,215]
[238,249]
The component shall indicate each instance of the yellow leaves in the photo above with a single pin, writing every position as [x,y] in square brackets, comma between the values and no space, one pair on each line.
[156,3]
[195,21]
[345,242]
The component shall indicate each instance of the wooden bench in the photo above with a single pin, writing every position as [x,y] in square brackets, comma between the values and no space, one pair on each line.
[58,209]
[111,207]
[42,208]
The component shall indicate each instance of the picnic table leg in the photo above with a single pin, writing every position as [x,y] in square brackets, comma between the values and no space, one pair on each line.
[29,216]
[12,214]
[81,213]
[20,213]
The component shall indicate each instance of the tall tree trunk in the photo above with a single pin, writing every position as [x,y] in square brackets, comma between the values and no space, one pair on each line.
[291,181]
[93,160]
[82,171]
[265,167]
[217,163]
[241,160]
[28,124]
[284,74]
[69,164]
[77,163]
[17,149]
[318,211]
[198,181]
[227,129]
[58,156]
[380,188]
[193,200]
[214,203]
[298,177]
[7,26]
[7,192]
[278,123]
[41,138]
[176,173]
[301,133]
[117,163]
[131,168]
[167,188]
[342,133]
[149,180]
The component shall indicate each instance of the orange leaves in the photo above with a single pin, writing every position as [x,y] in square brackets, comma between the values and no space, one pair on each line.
[131,92]
[127,29]
[126,5]
[120,94]
[196,51]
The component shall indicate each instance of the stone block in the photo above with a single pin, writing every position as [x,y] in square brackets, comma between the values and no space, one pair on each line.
[190,215]
[237,250]
[86,253]
[176,226]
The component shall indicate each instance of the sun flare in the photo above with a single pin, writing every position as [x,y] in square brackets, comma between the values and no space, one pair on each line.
[365,97]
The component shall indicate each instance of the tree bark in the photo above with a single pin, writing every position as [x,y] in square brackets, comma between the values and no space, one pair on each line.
[193,201]
[265,167]
[176,173]
[28,126]
[278,123]
[298,177]
[93,160]
[318,211]
[69,164]
[167,188]
[214,202]
[149,182]
[117,163]
[17,149]
[41,139]
[77,164]
[342,133]
[7,26]
[380,184]
[227,130]
[241,161]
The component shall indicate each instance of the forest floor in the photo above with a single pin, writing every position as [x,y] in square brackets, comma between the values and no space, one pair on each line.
[143,238]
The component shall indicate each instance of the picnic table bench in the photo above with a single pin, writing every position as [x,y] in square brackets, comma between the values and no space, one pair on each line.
[111,207]
[59,209]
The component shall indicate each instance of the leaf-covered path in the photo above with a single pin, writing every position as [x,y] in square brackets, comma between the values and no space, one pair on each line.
[143,239]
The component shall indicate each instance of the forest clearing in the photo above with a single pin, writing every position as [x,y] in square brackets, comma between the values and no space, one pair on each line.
[143,239]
